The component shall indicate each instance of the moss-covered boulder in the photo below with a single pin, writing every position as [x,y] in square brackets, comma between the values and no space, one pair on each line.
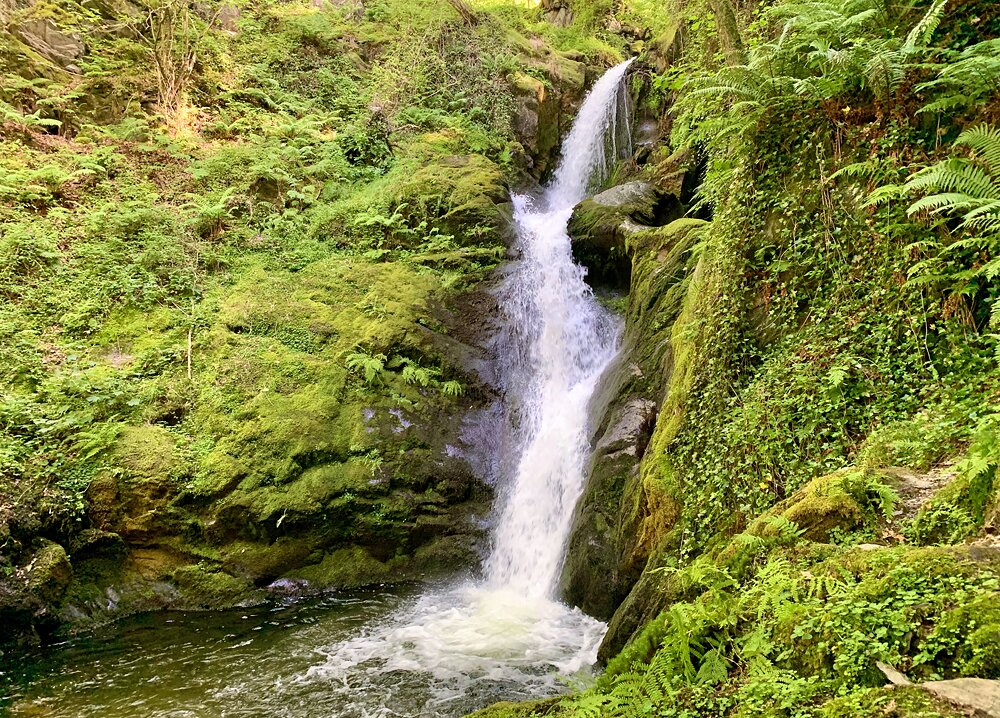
[601,226]
[32,593]
[823,506]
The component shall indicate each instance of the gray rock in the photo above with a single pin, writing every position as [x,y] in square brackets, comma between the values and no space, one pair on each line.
[629,429]
[635,196]
[55,45]
[600,226]
[980,696]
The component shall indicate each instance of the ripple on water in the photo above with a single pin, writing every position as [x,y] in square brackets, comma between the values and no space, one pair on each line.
[443,654]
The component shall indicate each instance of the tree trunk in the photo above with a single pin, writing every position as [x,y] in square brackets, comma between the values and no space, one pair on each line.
[465,11]
[729,32]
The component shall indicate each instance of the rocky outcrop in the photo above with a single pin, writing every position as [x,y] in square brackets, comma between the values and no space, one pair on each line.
[608,548]
[30,591]
[558,12]
[545,108]
[46,38]
[600,227]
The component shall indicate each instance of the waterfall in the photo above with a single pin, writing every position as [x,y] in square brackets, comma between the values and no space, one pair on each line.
[507,637]
[568,340]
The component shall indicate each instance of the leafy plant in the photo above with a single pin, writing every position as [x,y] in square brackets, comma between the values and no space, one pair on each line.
[370,366]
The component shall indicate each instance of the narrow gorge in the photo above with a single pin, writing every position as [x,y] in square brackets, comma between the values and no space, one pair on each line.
[502,358]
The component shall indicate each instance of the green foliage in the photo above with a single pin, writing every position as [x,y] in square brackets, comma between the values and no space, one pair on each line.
[368,365]
[828,50]
[965,79]
[802,629]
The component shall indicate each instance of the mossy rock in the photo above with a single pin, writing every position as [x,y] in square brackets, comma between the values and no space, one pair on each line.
[262,561]
[891,701]
[148,453]
[347,568]
[202,587]
[32,593]
[819,508]
[967,638]
[602,225]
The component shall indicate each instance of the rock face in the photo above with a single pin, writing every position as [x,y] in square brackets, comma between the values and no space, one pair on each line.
[558,12]
[595,543]
[44,36]
[545,109]
[600,227]
[608,543]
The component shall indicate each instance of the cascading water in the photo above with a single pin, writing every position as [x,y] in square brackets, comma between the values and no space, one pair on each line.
[570,340]
[451,650]
[507,636]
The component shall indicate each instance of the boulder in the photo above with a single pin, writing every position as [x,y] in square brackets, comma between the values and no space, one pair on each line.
[33,592]
[600,227]
[592,577]
[979,697]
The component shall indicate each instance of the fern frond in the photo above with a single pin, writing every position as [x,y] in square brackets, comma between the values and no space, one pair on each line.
[984,141]
[921,33]
[939,203]
[956,175]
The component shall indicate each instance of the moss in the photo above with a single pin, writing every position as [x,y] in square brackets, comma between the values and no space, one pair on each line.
[966,640]
[206,588]
[263,561]
[346,568]
[149,453]
[822,506]
[528,709]
[49,573]
[905,702]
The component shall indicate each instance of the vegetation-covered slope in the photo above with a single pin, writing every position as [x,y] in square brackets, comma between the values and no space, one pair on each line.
[817,365]
[238,249]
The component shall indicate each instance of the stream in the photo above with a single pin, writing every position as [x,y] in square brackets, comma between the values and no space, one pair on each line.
[440,650]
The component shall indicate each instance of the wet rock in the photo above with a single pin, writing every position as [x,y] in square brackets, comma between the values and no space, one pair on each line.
[591,578]
[601,226]
[611,538]
[205,588]
[31,595]
[545,109]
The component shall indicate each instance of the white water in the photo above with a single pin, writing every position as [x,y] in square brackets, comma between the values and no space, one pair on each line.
[507,636]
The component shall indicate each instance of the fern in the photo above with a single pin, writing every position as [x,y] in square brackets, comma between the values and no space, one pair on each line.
[452,388]
[968,79]
[368,365]
[965,187]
